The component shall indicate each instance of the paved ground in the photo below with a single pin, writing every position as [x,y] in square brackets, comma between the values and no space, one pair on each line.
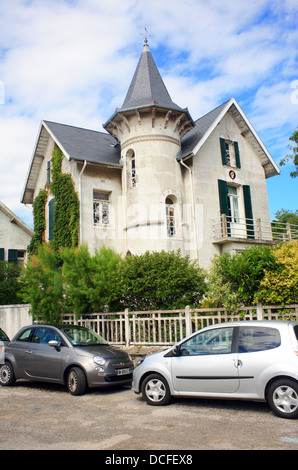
[45,416]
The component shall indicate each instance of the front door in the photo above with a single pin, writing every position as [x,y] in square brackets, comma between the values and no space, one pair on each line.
[206,363]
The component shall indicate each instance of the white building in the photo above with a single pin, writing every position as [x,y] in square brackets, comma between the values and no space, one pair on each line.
[157,180]
[15,236]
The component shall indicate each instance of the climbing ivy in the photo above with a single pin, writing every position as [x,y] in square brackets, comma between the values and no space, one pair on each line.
[66,224]
[67,210]
[39,222]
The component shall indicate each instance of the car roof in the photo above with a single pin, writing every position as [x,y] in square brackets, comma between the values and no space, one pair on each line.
[266,323]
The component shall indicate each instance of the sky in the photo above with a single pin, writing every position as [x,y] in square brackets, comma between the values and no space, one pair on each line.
[72,61]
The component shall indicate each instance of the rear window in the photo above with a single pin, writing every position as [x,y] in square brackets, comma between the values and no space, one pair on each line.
[258,338]
[296,331]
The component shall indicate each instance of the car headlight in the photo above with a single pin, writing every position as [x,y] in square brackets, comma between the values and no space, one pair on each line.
[140,361]
[99,360]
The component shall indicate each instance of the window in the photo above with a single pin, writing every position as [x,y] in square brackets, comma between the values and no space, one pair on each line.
[170,217]
[253,339]
[233,204]
[101,208]
[131,169]
[44,335]
[133,172]
[230,152]
[26,335]
[228,156]
[218,341]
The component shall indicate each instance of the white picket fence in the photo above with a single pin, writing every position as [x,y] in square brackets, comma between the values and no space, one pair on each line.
[166,327]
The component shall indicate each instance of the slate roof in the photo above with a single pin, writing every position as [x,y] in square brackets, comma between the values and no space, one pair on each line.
[191,139]
[147,86]
[84,144]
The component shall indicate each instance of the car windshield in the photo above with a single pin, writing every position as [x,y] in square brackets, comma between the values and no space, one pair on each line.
[80,336]
[3,336]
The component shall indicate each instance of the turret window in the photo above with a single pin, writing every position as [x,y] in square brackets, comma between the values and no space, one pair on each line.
[170,217]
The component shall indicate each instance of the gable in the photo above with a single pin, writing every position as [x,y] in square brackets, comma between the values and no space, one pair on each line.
[77,144]
[204,126]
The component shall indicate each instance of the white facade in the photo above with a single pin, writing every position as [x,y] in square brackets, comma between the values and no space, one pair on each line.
[160,181]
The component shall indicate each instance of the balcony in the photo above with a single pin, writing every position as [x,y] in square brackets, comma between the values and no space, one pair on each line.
[252,231]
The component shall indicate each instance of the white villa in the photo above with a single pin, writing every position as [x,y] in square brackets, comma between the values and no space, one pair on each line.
[158,180]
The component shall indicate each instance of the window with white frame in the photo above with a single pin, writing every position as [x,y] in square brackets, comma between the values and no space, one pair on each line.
[233,204]
[170,217]
[101,208]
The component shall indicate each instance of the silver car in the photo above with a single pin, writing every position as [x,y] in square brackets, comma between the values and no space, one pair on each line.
[249,360]
[68,354]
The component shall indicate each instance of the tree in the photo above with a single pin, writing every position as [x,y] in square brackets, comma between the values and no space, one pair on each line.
[233,280]
[87,280]
[157,280]
[293,156]
[42,285]
[285,216]
[280,286]
[9,283]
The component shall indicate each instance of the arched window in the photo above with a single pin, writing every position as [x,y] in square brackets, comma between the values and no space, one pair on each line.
[170,216]
[131,166]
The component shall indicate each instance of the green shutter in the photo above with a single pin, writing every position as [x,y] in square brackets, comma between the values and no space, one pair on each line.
[223,151]
[1,254]
[223,197]
[51,219]
[223,201]
[237,155]
[248,212]
[13,256]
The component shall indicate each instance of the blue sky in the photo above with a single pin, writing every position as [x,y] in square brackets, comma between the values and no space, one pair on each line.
[72,62]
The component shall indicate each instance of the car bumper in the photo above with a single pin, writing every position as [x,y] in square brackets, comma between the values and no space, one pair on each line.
[97,378]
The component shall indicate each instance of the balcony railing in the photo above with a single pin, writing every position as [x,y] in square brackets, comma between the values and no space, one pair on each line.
[226,229]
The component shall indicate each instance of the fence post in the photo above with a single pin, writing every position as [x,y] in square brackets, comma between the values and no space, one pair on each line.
[260,311]
[188,326]
[127,328]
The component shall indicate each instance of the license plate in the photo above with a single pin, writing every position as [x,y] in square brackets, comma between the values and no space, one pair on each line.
[123,371]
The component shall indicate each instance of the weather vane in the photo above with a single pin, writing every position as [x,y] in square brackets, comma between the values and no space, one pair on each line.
[146,37]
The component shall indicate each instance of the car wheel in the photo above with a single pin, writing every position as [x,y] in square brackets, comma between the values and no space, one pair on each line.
[155,390]
[76,381]
[7,376]
[283,398]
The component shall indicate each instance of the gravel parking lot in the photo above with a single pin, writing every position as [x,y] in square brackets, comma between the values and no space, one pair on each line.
[45,416]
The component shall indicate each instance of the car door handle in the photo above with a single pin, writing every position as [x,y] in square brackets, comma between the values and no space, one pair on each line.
[238,363]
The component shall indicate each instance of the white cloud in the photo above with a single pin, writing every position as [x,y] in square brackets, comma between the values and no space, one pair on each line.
[72,62]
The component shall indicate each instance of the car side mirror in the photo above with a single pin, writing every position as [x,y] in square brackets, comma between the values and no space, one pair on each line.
[54,344]
[176,350]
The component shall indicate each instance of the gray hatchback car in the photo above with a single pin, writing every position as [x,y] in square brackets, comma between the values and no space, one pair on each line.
[249,360]
[66,354]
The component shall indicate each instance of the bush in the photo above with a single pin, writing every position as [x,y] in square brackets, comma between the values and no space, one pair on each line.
[234,280]
[42,285]
[280,286]
[9,283]
[87,280]
[158,280]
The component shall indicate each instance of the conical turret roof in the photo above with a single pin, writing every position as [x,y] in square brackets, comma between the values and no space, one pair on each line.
[147,86]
